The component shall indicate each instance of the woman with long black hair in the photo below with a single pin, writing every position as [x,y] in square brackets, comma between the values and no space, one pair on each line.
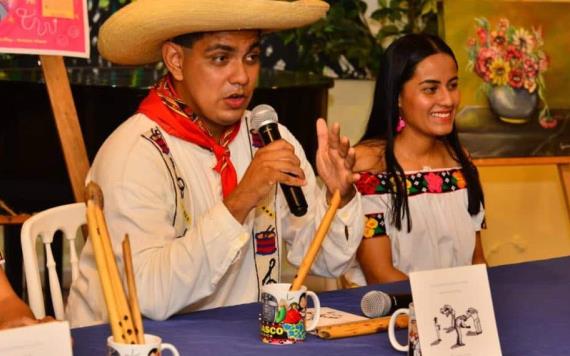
[421,193]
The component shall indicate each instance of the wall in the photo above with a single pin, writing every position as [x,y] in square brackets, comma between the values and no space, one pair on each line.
[526,214]
[350,102]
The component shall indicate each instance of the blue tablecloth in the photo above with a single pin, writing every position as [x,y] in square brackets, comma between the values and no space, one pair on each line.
[531,301]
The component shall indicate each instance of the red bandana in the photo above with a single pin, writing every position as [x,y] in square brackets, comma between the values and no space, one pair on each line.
[163,106]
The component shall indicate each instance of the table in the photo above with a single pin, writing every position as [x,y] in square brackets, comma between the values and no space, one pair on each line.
[531,301]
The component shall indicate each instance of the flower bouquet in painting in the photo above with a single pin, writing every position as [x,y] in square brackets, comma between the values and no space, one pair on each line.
[511,61]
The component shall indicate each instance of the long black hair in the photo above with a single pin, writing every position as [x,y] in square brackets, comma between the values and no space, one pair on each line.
[397,66]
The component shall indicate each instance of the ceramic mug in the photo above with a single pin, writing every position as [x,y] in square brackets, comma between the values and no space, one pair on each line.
[153,346]
[413,346]
[283,313]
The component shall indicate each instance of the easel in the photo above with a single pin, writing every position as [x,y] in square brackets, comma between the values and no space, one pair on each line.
[70,137]
[67,123]
[69,131]
[562,163]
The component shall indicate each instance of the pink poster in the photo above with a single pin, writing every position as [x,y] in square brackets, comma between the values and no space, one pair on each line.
[53,27]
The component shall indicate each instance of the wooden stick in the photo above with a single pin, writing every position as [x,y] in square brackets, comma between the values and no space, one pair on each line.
[307,262]
[67,123]
[5,207]
[108,294]
[133,296]
[362,327]
[95,195]
[521,161]
[13,219]
[564,174]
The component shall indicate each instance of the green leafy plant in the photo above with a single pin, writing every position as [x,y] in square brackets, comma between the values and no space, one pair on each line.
[400,17]
[114,4]
[341,42]
[343,45]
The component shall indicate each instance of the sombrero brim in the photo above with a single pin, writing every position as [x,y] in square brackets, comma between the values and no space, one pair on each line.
[134,35]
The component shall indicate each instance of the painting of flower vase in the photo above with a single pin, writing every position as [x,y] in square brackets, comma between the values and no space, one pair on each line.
[513,65]
[511,61]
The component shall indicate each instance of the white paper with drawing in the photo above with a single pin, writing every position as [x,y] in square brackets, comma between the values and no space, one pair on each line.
[454,311]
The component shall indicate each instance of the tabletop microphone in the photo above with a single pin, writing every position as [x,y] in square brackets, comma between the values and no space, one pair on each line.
[375,303]
[264,120]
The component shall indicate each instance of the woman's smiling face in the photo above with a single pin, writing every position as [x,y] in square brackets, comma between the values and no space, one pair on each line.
[428,101]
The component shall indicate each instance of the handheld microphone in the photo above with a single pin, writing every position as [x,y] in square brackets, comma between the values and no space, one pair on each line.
[264,120]
[375,303]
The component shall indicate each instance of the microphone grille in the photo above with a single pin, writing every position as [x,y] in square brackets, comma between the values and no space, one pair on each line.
[375,304]
[262,115]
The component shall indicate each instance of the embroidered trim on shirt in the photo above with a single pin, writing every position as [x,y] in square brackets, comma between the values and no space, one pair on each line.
[375,226]
[155,137]
[439,181]
[265,239]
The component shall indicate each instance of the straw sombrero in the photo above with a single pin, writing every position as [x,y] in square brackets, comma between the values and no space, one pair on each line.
[134,34]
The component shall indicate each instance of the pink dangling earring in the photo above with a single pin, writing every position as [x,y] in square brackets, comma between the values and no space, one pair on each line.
[401,124]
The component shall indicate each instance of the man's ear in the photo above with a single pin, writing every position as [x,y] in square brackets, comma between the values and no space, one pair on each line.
[173,58]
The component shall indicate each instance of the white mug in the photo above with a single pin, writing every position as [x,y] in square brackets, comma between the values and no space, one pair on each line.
[153,346]
[413,346]
[283,313]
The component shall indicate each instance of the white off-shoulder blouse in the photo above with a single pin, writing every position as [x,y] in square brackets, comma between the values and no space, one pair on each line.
[443,232]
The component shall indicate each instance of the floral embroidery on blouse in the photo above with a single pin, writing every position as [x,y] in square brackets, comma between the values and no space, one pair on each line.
[374,226]
[442,181]
[438,181]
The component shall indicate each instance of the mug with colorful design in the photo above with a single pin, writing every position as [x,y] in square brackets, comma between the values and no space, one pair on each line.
[283,313]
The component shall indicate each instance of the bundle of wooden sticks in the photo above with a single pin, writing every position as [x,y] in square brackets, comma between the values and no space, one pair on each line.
[124,313]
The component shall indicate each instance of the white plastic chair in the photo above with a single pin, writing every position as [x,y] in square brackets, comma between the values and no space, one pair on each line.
[67,219]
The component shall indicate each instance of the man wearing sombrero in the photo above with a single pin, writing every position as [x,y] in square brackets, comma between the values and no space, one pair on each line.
[185,177]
